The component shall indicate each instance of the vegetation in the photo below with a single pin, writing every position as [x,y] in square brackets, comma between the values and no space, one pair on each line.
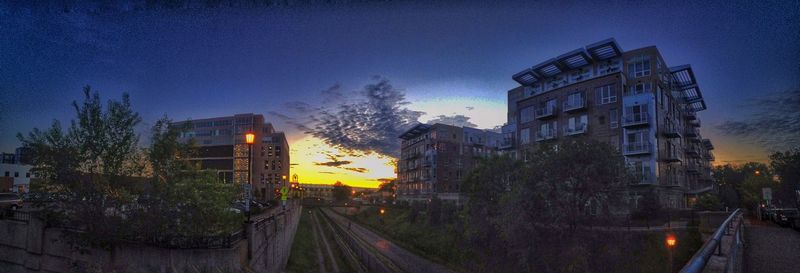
[96,178]
[708,202]
[741,185]
[303,257]
[341,192]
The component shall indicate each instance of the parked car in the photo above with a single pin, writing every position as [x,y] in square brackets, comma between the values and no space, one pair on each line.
[785,217]
[10,200]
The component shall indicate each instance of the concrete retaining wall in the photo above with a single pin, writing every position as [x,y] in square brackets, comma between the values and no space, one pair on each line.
[30,247]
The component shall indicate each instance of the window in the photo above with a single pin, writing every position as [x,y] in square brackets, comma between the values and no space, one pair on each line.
[601,120]
[576,124]
[526,114]
[28,175]
[525,136]
[574,100]
[640,88]
[639,66]
[8,174]
[636,136]
[613,119]
[606,94]
[16,174]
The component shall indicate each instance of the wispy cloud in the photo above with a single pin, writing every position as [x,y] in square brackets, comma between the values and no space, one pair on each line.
[356,169]
[455,120]
[369,123]
[775,124]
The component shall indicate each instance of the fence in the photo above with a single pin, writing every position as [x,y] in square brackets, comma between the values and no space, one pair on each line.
[698,262]
[16,215]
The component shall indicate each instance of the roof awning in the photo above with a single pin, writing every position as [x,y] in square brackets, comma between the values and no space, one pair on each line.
[415,131]
[574,59]
[686,83]
[604,50]
[549,68]
[526,77]
[707,144]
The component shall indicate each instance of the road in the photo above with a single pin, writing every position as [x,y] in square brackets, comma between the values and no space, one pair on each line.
[402,258]
[770,248]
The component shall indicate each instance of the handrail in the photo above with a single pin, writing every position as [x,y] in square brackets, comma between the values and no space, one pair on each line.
[699,260]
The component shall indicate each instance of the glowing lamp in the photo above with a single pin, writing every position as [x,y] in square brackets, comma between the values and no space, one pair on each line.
[249,138]
[382,211]
[671,241]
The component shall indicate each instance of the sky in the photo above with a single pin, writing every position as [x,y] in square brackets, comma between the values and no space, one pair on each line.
[342,78]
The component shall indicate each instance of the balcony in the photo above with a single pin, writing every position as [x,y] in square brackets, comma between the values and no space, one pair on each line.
[545,112]
[690,115]
[545,135]
[578,129]
[691,132]
[636,148]
[670,131]
[671,157]
[695,123]
[506,143]
[692,152]
[709,156]
[574,104]
[635,119]
[641,178]
[692,168]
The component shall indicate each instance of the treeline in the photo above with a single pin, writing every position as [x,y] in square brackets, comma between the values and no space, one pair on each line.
[94,177]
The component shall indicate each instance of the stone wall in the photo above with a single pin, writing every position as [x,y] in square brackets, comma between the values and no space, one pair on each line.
[27,246]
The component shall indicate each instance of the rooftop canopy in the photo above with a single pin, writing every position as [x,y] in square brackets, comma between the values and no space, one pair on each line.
[575,59]
[687,84]
[707,144]
[415,131]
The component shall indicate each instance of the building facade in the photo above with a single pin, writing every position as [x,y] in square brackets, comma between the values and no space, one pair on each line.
[222,148]
[630,99]
[435,158]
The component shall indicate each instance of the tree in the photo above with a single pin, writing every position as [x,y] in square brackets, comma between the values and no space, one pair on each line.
[708,202]
[786,166]
[87,168]
[530,210]
[341,192]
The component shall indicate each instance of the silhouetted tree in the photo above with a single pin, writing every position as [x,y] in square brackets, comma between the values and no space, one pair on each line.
[341,192]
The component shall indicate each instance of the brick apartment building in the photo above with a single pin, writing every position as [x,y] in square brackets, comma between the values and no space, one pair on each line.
[630,99]
[435,158]
[222,148]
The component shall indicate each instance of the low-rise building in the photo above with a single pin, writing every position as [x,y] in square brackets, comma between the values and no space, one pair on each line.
[435,158]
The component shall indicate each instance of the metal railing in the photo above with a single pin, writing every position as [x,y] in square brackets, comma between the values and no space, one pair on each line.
[698,262]
[16,215]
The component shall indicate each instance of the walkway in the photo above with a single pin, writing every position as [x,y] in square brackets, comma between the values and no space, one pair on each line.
[771,248]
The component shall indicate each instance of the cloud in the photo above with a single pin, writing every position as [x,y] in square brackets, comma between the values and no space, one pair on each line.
[774,124]
[358,170]
[470,108]
[335,164]
[456,120]
[327,172]
[333,93]
[280,116]
[369,124]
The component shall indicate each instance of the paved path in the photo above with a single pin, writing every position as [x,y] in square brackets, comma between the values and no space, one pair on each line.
[771,248]
[404,259]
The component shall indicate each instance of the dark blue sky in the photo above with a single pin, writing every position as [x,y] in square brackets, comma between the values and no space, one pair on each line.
[200,62]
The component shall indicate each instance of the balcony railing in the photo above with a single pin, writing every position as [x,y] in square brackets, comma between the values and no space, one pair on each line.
[691,132]
[544,112]
[545,135]
[671,131]
[672,156]
[635,119]
[692,152]
[643,178]
[636,148]
[574,104]
[578,129]
[692,168]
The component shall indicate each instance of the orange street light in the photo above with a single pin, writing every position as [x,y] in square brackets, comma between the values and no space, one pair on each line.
[249,138]
[758,172]
[354,192]
[671,241]
[382,211]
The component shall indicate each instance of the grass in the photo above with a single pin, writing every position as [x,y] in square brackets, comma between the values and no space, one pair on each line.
[303,257]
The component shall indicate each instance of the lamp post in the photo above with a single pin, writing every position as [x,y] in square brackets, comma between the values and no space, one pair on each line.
[671,241]
[249,138]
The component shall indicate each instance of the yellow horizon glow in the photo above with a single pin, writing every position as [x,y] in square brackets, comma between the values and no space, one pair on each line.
[309,150]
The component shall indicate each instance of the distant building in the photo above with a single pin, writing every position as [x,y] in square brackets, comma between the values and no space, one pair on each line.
[222,148]
[630,99]
[15,177]
[435,158]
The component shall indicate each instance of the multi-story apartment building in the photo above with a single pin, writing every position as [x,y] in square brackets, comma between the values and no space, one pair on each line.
[15,176]
[435,158]
[630,99]
[222,147]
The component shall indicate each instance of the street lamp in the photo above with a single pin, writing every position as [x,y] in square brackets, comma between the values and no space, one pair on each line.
[249,138]
[671,241]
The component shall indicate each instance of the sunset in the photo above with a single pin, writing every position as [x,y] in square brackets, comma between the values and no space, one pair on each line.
[392,136]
